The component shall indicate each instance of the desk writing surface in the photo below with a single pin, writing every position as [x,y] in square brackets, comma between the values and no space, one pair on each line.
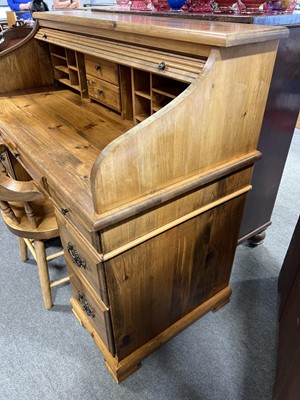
[62,137]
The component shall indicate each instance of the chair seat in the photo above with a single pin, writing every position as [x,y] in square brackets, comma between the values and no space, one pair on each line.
[46,222]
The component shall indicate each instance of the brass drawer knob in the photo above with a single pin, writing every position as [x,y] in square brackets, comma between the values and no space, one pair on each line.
[85,305]
[97,68]
[75,256]
[100,92]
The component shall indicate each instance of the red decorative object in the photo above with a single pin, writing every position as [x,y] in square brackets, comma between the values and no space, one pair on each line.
[140,5]
[225,6]
[200,6]
[161,5]
[123,4]
[250,6]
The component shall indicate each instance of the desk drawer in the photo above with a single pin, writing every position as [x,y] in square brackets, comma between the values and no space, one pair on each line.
[18,166]
[96,311]
[104,92]
[64,211]
[102,69]
[83,258]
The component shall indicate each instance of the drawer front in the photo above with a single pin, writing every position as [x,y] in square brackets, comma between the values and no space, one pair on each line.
[102,69]
[104,92]
[96,312]
[83,259]
[65,212]
[19,166]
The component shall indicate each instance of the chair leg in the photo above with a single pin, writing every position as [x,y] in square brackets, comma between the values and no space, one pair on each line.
[43,272]
[23,250]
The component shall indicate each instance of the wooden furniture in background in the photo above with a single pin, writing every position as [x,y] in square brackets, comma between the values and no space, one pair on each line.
[11,18]
[3,26]
[146,159]
[30,216]
[13,36]
[287,384]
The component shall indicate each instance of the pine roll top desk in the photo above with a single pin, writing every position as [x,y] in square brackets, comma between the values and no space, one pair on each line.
[143,132]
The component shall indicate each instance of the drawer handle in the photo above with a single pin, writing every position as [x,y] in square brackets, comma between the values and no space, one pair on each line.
[16,154]
[64,211]
[100,92]
[97,68]
[44,36]
[75,256]
[85,305]
[162,66]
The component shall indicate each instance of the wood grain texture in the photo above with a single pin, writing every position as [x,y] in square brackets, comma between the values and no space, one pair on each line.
[25,66]
[222,34]
[155,284]
[66,136]
[125,171]
[148,214]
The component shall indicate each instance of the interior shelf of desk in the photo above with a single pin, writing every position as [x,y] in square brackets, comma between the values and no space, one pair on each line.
[103,82]
[151,92]
[67,65]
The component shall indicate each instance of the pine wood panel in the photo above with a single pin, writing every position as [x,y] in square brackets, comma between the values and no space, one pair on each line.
[85,259]
[25,67]
[153,210]
[72,132]
[125,170]
[185,30]
[118,234]
[177,66]
[104,92]
[96,311]
[102,69]
[153,285]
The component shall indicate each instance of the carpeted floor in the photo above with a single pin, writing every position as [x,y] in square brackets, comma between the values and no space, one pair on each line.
[229,355]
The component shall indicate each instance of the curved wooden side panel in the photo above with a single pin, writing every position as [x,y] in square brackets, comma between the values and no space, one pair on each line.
[216,119]
[25,65]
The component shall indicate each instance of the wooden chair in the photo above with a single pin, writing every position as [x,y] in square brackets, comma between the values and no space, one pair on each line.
[30,216]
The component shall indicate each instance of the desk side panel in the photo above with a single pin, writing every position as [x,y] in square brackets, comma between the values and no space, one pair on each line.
[24,67]
[155,284]
[217,118]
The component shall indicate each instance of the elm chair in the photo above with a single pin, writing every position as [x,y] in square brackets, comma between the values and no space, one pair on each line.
[30,216]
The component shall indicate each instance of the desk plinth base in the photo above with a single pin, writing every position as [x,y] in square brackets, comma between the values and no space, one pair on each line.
[120,370]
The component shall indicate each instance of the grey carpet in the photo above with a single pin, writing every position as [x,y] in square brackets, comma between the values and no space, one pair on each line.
[229,355]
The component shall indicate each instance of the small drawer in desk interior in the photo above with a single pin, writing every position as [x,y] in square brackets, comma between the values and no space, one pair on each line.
[104,92]
[102,69]
[97,313]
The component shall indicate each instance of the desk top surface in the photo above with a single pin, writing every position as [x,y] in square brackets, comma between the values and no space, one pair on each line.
[185,30]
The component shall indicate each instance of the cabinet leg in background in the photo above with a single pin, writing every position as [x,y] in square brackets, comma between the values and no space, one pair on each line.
[257,239]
